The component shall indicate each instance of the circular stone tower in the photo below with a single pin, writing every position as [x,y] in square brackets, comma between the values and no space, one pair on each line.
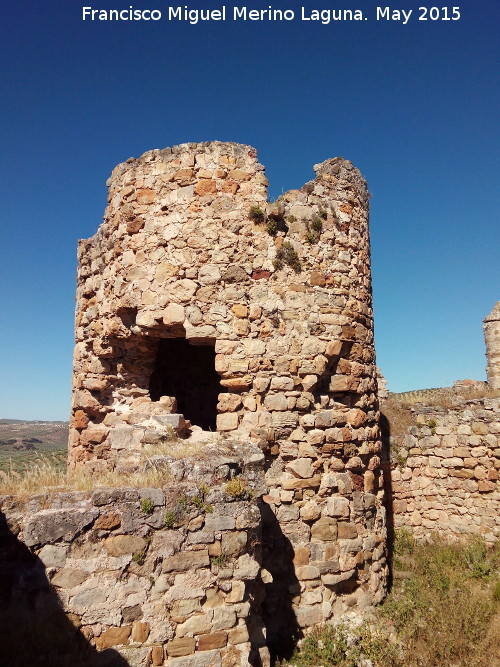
[201,304]
[492,338]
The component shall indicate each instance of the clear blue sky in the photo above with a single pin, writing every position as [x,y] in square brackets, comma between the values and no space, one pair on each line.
[415,107]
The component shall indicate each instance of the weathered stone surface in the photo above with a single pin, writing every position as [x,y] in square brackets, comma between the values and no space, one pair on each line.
[346,531]
[233,543]
[492,339]
[178,647]
[69,578]
[311,482]
[324,529]
[108,521]
[186,560]
[337,506]
[120,545]
[112,637]
[197,624]
[301,467]
[180,610]
[212,641]
[53,556]
[238,635]
[140,632]
[173,314]
[202,659]
[308,616]
[48,526]
[223,618]
[227,421]
[246,567]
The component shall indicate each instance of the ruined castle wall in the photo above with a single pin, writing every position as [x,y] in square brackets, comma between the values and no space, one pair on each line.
[135,576]
[190,253]
[492,339]
[447,478]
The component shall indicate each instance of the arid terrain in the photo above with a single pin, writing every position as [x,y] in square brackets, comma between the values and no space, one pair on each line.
[23,443]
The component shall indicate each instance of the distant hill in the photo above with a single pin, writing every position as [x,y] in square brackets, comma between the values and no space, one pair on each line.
[48,434]
[28,421]
[23,442]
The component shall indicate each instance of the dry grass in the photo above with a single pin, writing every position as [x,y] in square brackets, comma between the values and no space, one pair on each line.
[48,473]
[177,449]
[44,477]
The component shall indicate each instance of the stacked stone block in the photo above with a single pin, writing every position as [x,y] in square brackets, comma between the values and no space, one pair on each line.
[446,480]
[139,571]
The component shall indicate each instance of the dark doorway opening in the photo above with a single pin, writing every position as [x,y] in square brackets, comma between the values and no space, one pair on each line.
[188,372]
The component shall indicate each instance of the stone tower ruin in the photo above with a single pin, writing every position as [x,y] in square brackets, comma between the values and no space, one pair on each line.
[491,328]
[201,304]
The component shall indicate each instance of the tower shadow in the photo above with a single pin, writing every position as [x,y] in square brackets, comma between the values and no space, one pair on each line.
[35,629]
[385,429]
[282,629]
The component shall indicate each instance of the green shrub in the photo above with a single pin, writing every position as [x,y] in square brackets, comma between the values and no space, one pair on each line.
[256,214]
[404,542]
[139,557]
[147,506]
[477,560]
[326,646]
[219,561]
[171,518]
[496,591]
[235,488]
[272,227]
[287,255]
[317,224]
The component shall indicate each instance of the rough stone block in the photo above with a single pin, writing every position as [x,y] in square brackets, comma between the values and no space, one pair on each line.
[50,525]
[212,641]
[227,421]
[121,545]
[238,635]
[140,632]
[113,637]
[325,529]
[202,659]
[186,560]
[179,647]
[67,578]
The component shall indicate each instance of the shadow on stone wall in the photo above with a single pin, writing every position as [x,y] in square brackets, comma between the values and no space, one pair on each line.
[385,430]
[277,611]
[35,631]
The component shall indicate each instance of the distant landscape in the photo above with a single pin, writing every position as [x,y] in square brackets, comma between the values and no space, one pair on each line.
[23,443]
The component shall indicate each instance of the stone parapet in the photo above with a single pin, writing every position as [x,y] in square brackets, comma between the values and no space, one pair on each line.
[138,576]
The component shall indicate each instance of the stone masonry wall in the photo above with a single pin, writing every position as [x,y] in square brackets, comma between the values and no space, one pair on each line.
[191,254]
[125,576]
[492,338]
[447,478]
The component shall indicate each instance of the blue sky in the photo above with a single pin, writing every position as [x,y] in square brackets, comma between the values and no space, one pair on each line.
[414,106]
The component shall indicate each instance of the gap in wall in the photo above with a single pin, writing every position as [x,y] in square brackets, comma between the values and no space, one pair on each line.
[188,372]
